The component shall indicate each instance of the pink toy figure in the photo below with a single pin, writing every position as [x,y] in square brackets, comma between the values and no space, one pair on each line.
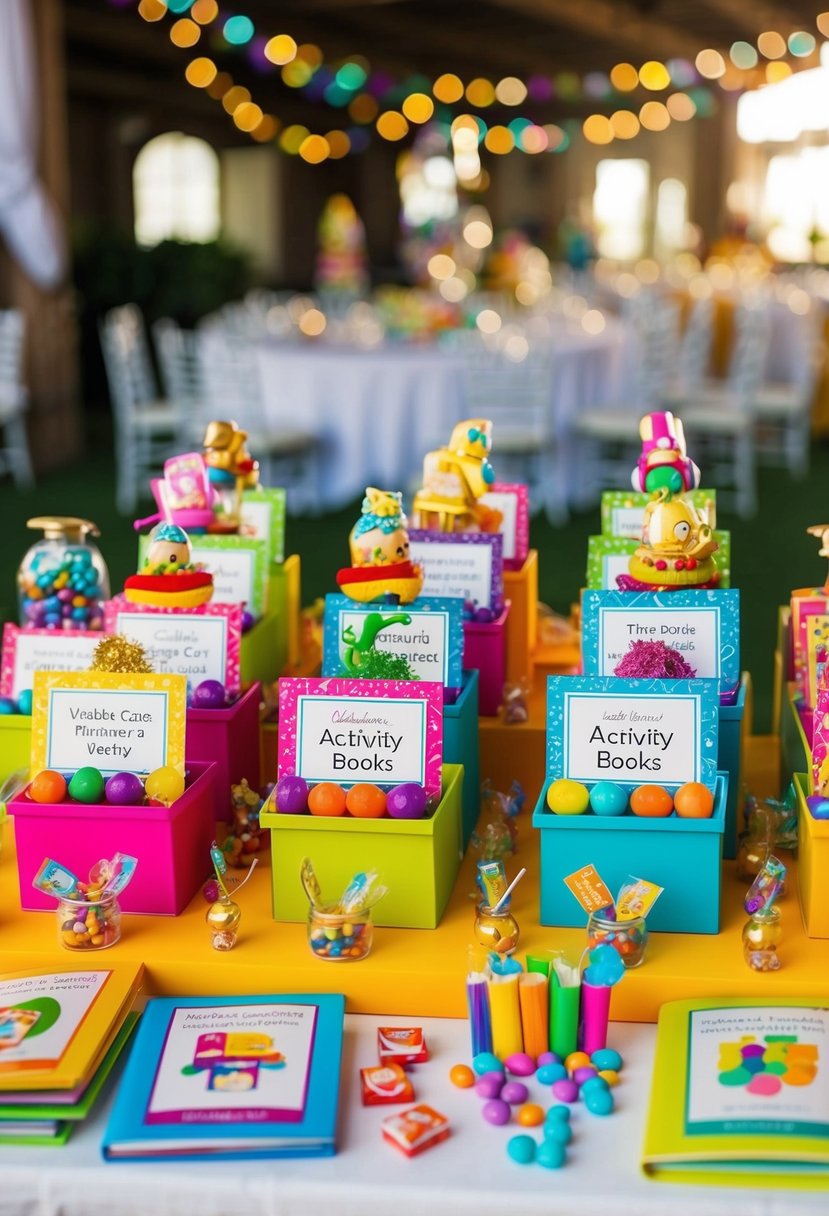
[664,461]
[184,495]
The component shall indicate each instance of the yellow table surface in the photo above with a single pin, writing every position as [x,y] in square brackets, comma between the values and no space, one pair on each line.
[419,973]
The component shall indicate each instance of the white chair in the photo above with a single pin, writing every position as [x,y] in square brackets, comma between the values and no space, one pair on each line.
[719,418]
[178,362]
[147,429]
[14,455]
[232,389]
[517,396]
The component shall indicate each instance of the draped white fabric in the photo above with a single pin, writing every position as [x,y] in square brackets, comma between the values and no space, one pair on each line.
[29,224]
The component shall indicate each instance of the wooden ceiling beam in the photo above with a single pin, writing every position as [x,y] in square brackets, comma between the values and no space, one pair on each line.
[620,25]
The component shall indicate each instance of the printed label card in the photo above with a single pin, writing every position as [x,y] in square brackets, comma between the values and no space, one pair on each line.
[820,744]
[116,723]
[623,511]
[200,643]
[703,626]
[608,556]
[816,629]
[26,651]
[513,501]
[263,518]
[428,633]
[239,565]
[464,565]
[381,731]
[634,732]
[805,602]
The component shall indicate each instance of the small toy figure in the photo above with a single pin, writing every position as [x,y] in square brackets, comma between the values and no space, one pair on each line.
[664,462]
[245,837]
[183,495]
[168,577]
[676,550]
[227,457]
[361,656]
[379,542]
[454,479]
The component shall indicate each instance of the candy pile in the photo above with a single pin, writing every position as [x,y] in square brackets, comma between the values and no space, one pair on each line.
[163,785]
[91,926]
[62,593]
[579,1076]
[691,801]
[293,796]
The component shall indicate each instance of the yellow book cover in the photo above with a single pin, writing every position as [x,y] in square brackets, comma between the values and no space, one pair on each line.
[740,1094]
[56,1026]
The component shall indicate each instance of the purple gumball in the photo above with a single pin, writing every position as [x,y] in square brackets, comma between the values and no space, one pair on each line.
[292,794]
[484,616]
[496,1111]
[210,694]
[124,789]
[565,1090]
[248,620]
[407,801]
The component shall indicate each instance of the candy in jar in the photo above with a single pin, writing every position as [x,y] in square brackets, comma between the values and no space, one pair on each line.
[62,580]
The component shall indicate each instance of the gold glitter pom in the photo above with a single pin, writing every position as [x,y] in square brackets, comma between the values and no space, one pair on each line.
[118,655]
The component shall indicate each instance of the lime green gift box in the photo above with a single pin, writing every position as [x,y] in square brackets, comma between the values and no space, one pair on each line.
[15,744]
[417,859]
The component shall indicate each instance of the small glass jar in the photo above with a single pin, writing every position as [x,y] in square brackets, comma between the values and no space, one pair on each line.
[339,937]
[762,935]
[85,924]
[223,918]
[628,937]
[62,580]
[497,931]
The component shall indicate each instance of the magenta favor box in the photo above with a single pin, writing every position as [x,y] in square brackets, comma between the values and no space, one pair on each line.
[230,739]
[485,650]
[172,844]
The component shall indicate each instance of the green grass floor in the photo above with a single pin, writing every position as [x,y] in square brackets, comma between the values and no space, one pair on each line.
[771,554]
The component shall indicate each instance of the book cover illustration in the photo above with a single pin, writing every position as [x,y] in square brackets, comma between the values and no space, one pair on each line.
[762,1071]
[41,1014]
[234,1063]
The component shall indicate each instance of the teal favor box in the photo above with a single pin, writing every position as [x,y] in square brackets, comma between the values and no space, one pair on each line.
[681,855]
[15,744]
[417,859]
[460,746]
[730,760]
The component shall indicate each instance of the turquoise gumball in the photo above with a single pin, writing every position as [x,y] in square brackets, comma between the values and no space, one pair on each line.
[24,701]
[608,798]
[7,705]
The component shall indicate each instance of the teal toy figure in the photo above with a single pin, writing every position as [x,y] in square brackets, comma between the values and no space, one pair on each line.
[379,542]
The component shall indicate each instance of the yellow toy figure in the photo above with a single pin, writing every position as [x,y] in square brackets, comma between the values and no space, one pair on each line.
[168,577]
[379,543]
[230,470]
[676,550]
[454,479]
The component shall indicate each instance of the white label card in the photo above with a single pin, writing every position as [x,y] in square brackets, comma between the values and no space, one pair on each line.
[109,729]
[345,740]
[632,738]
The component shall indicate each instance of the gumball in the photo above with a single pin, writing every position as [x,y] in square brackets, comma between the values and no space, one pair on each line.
[48,786]
[548,1057]
[585,1073]
[599,1102]
[490,1085]
[292,794]
[651,802]
[365,801]
[521,1149]
[551,1154]
[606,1057]
[485,1061]
[496,1112]
[565,1090]
[608,798]
[566,797]
[24,701]
[8,705]
[559,1130]
[407,801]
[520,1064]
[462,1076]
[515,1092]
[210,694]
[327,798]
[210,891]
[694,801]
[548,1074]
[609,1076]
[484,616]
[592,1085]
[530,1114]
[560,1113]
[87,785]
[124,789]
[248,621]
[165,784]
[576,1059]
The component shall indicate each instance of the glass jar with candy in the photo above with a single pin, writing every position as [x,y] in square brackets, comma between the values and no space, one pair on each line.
[90,923]
[628,937]
[63,580]
[342,937]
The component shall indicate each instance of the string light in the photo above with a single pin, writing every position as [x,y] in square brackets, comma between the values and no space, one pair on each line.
[201,72]
[654,116]
[654,75]
[392,126]
[448,88]
[152,10]
[771,44]
[280,49]
[624,77]
[204,11]
[597,129]
[624,124]
[418,108]
[185,33]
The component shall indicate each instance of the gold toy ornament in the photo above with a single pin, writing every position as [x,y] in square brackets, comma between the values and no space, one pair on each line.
[455,478]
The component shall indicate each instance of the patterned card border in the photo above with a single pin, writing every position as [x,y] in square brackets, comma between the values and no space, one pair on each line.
[494,539]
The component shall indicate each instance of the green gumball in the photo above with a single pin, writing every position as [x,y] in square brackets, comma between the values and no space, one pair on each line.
[87,785]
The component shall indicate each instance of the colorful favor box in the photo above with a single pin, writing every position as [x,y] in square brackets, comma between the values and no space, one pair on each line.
[812,863]
[623,511]
[485,651]
[521,590]
[229,738]
[608,557]
[513,501]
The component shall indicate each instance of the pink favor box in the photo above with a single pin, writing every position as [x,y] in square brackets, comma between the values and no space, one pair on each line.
[485,648]
[230,739]
[172,844]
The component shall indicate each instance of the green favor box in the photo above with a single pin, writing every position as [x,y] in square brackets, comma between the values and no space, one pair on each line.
[417,859]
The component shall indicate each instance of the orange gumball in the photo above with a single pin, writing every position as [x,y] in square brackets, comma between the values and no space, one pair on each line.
[365,801]
[462,1076]
[694,801]
[651,801]
[327,798]
[48,786]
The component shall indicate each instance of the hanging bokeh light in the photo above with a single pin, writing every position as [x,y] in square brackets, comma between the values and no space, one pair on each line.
[201,72]
[654,116]
[499,140]
[220,86]
[418,107]
[624,124]
[339,145]
[392,125]
[248,116]
[654,75]
[267,129]
[363,108]
[597,129]
[152,10]
[292,138]
[801,44]
[533,140]
[510,91]
[681,107]
[236,96]
[238,30]
[771,44]
[351,76]
[557,139]
[280,49]
[624,77]
[710,64]
[777,71]
[743,55]
[204,11]
[448,88]
[314,149]
[185,33]
[480,92]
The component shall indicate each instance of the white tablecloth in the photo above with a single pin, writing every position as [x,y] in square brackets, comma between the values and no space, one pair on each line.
[468,1175]
[379,411]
